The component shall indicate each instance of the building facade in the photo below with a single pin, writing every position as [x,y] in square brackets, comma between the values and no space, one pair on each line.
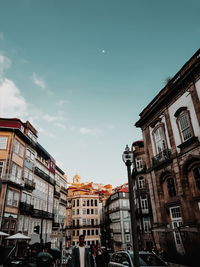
[27,172]
[118,220]
[84,211]
[142,198]
[171,133]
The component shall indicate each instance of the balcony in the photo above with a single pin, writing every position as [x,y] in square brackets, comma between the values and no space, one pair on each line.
[55,225]
[161,158]
[56,193]
[10,178]
[43,175]
[64,202]
[25,208]
[29,184]
[42,214]
[63,190]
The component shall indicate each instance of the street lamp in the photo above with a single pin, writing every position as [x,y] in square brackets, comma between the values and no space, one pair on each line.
[128,159]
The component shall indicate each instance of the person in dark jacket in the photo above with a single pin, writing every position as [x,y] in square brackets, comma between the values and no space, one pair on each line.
[97,259]
[81,254]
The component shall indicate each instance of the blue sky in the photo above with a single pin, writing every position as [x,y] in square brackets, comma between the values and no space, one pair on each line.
[81,71]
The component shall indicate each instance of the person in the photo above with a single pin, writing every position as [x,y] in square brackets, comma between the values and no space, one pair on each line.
[97,259]
[81,254]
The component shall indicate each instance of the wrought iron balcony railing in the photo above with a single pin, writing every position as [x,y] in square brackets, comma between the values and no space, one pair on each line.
[162,157]
[29,184]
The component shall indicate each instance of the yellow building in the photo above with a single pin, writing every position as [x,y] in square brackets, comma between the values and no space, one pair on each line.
[84,211]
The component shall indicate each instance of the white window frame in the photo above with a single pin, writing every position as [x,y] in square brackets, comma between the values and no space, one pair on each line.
[139,164]
[185,126]
[1,168]
[3,142]
[159,139]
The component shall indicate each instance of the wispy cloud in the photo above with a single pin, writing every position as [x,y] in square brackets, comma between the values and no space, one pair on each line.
[1,36]
[89,131]
[52,118]
[5,64]
[61,103]
[60,125]
[39,81]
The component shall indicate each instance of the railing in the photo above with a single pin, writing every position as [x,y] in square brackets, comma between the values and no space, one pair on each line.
[56,193]
[25,208]
[64,202]
[13,179]
[63,190]
[162,157]
[55,225]
[43,175]
[42,214]
[83,226]
[29,184]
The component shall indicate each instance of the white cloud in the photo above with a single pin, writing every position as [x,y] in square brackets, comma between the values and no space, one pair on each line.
[52,118]
[1,36]
[60,125]
[61,103]
[38,81]
[5,63]
[12,103]
[89,131]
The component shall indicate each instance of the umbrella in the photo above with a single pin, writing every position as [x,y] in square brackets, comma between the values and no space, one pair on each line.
[18,236]
[3,234]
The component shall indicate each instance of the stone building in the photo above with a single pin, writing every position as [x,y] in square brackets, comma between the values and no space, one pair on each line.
[170,126]
[142,198]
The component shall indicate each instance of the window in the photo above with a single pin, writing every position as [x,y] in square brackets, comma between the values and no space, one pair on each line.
[18,148]
[88,203]
[196,172]
[83,211]
[3,142]
[146,224]
[84,202]
[13,198]
[139,164]
[97,232]
[159,139]
[175,213]
[95,202]
[96,211]
[144,202]
[185,126]
[88,211]
[141,182]
[1,169]
[171,187]
[91,202]
[77,202]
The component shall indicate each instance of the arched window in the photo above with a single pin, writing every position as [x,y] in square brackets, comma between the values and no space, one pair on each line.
[196,172]
[171,187]
[159,139]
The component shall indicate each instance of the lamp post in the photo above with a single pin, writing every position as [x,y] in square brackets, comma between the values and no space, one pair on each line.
[128,160]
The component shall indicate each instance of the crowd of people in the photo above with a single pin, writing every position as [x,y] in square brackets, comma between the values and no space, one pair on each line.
[83,256]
